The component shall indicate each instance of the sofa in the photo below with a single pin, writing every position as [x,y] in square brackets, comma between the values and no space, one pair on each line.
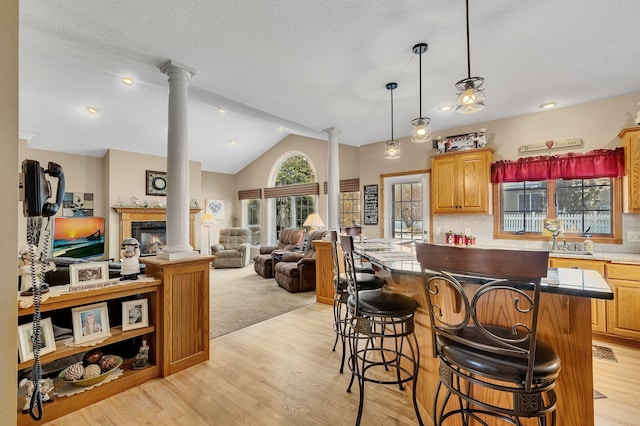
[291,239]
[296,271]
[233,248]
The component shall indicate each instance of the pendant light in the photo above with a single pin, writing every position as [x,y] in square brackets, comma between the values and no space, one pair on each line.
[421,131]
[470,90]
[392,147]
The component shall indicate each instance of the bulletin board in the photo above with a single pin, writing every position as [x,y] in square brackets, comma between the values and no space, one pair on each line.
[371,204]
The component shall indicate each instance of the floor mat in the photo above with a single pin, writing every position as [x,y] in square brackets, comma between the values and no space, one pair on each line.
[598,395]
[603,352]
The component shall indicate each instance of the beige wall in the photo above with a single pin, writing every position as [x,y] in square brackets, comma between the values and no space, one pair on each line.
[219,186]
[9,206]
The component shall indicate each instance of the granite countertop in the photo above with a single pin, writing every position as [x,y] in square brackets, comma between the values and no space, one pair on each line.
[401,260]
[631,258]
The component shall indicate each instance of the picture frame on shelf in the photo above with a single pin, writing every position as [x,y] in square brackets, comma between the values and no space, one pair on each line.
[90,322]
[25,342]
[156,183]
[462,142]
[82,274]
[135,314]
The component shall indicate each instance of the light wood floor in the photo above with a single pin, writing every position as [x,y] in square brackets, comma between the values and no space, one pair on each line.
[283,372]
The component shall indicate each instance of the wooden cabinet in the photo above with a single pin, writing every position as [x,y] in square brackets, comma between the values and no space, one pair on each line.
[631,142]
[61,306]
[598,307]
[460,181]
[623,312]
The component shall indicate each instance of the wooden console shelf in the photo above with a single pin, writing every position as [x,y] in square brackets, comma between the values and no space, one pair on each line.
[152,290]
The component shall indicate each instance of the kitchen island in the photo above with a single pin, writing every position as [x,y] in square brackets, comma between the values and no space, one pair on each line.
[564,324]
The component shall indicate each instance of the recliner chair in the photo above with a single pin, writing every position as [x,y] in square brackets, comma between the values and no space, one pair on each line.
[291,239]
[296,271]
[232,250]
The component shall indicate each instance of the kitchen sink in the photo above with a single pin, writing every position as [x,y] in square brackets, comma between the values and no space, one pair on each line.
[572,252]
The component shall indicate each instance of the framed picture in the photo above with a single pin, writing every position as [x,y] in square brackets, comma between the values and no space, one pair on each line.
[156,183]
[25,339]
[460,142]
[77,204]
[90,322]
[135,314]
[216,208]
[88,273]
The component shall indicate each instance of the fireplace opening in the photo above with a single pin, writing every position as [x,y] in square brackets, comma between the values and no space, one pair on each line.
[152,236]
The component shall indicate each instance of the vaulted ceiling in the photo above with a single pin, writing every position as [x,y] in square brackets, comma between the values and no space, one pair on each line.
[282,67]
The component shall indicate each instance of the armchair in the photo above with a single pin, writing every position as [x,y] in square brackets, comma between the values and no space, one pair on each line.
[232,250]
[291,239]
[296,271]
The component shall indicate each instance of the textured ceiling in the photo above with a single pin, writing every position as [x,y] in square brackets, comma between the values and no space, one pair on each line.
[305,66]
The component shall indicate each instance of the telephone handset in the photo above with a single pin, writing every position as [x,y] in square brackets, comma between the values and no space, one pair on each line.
[37,189]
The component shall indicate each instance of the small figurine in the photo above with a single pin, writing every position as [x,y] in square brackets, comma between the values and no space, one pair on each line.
[481,138]
[29,263]
[142,358]
[130,252]
[46,386]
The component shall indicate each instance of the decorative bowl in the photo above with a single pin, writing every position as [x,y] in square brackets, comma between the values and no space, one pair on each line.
[91,381]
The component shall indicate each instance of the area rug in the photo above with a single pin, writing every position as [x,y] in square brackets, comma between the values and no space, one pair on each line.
[239,297]
[603,352]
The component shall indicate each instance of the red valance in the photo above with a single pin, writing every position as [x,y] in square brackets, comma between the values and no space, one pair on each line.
[600,163]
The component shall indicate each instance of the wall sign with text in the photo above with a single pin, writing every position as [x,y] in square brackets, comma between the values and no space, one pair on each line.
[371,204]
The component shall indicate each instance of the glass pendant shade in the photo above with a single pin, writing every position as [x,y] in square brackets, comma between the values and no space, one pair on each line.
[392,150]
[392,146]
[470,95]
[421,130]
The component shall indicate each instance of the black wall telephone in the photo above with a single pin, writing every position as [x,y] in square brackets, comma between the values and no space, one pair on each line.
[38,189]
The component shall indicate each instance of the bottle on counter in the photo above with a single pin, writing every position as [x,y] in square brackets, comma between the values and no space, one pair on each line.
[587,245]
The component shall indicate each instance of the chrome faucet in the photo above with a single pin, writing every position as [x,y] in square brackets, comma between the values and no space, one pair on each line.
[565,246]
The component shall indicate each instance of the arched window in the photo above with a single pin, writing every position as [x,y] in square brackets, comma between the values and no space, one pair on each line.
[291,211]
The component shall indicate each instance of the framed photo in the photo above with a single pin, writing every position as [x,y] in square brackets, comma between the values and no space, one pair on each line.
[77,204]
[25,339]
[88,273]
[90,322]
[135,314]
[156,183]
[216,208]
[460,142]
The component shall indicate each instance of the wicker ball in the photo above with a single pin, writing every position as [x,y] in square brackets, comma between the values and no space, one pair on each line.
[74,372]
[107,363]
[91,371]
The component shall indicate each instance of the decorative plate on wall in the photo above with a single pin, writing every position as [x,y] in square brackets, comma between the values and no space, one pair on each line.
[156,183]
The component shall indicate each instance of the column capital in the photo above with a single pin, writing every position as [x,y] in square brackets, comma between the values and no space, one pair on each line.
[332,131]
[171,67]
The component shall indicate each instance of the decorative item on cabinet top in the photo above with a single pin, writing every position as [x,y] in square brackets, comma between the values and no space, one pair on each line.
[461,142]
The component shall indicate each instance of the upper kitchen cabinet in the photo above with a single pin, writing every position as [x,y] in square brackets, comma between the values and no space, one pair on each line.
[631,141]
[460,181]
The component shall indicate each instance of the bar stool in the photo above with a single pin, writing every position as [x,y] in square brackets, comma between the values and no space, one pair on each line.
[488,339]
[382,322]
[367,281]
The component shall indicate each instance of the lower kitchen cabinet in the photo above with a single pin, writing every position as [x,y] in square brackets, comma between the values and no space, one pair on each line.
[623,312]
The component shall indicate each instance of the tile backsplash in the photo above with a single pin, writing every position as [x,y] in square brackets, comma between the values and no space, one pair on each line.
[481,226]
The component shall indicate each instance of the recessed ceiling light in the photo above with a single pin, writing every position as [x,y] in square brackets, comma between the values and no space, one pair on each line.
[221,109]
[549,105]
[92,110]
[233,141]
[128,81]
[446,108]
[281,129]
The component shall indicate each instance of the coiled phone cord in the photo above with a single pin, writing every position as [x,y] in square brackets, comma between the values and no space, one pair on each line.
[34,225]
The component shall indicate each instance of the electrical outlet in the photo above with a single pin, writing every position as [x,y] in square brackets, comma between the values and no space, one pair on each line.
[467,231]
[633,236]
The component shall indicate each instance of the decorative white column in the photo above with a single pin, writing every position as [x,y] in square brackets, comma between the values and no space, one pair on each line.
[333,179]
[178,164]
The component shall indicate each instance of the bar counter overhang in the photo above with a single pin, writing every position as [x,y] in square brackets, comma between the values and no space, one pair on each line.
[564,323]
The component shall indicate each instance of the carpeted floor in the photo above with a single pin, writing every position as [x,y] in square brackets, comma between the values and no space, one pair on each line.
[239,297]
